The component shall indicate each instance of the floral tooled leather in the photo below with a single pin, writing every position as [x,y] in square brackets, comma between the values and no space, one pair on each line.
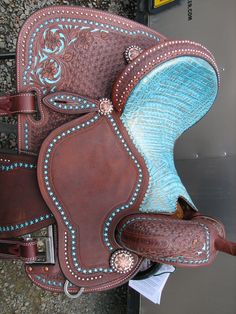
[74,50]
[164,239]
[57,49]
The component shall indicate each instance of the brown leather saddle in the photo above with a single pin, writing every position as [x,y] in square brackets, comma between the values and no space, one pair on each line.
[100,102]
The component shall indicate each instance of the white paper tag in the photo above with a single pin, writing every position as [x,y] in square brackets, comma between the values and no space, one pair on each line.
[152,287]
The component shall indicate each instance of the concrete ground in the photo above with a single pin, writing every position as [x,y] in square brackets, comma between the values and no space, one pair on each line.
[17,293]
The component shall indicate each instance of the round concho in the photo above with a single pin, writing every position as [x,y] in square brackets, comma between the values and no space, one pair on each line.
[122,261]
[132,52]
[105,106]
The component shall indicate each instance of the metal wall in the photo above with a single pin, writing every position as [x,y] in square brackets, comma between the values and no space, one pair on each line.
[213,24]
[206,158]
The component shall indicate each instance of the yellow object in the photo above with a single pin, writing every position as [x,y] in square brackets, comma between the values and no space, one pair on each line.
[159,3]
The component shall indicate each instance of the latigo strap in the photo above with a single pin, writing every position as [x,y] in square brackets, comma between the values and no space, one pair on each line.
[17,104]
[25,250]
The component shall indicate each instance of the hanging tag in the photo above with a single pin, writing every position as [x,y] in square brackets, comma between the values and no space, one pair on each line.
[152,287]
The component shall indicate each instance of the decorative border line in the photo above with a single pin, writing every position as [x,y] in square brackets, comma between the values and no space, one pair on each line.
[106,27]
[26,135]
[15,165]
[59,207]
[84,271]
[90,22]
[120,97]
[31,222]
[53,283]
[135,194]
[178,259]
[10,228]
[4,160]
[79,103]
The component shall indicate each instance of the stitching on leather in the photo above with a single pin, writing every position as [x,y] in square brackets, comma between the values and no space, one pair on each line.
[171,259]
[50,188]
[75,11]
[158,60]
[28,244]
[22,95]
[47,285]
[25,224]
[116,282]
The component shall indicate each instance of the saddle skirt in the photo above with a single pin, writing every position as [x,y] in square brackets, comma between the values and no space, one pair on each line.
[101,101]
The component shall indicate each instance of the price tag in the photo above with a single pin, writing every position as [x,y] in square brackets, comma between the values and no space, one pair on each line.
[152,287]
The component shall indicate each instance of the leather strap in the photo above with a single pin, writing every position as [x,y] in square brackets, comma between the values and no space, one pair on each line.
[18,249]
[22,208]
[16,104]
[225,246]
[70,103]
[165,239]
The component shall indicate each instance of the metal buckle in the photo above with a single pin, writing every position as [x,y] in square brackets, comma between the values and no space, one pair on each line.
[45,245]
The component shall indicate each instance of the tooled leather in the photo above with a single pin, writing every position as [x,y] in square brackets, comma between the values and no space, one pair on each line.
[52,120]
[167,240]
[148,60]
[23,209]
[70,103]
[71,51]
[18,249]
[105,201]
[214,223]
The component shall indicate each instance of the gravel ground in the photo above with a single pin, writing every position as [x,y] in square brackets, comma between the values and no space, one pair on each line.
[17,293]
[13,13]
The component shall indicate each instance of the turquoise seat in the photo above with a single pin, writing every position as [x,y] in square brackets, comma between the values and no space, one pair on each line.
[165,103]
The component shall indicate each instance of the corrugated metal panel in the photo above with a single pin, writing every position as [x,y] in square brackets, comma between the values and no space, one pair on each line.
[206,158]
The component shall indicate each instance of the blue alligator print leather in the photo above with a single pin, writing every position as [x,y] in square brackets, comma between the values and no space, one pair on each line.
[165,103]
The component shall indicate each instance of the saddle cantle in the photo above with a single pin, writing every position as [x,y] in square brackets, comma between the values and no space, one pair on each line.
[103,171]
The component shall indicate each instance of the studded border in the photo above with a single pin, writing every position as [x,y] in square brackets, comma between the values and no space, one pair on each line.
[135,194]
[26,135]
[16,165]
[104,28]
[53,283]
[10,228]
[59,207]
[25,224]
[178,259]
[80,103]
[120,96]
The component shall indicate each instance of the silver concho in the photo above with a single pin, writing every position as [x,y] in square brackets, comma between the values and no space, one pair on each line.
[132,52]
[122,261]
[105,106]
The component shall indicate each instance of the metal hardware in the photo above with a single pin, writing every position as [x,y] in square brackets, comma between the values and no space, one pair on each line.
[45,244]
[7,55]
[68,294]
